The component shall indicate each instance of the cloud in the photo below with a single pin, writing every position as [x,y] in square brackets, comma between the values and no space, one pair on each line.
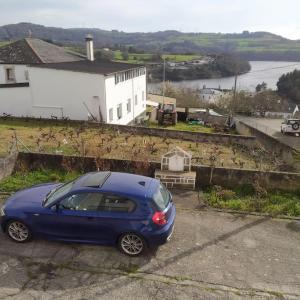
[143,15]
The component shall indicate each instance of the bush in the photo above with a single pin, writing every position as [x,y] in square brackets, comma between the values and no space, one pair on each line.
[226,194]
[245,190]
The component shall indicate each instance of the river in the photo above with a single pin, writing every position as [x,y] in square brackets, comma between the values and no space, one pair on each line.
[267,71]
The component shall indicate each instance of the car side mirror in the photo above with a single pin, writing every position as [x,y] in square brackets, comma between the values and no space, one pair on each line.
[55,208]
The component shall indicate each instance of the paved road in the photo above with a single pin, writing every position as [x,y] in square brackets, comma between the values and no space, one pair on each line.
[272,128]
[211,256]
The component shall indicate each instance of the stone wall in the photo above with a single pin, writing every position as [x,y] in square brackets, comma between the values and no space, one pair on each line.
[225,177]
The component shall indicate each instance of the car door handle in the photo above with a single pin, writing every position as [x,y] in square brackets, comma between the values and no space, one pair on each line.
[90,218]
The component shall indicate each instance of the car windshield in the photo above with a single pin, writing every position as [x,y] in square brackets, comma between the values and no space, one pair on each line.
[161,197]
[57,193]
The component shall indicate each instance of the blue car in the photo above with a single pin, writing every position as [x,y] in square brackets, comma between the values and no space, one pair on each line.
[131,211]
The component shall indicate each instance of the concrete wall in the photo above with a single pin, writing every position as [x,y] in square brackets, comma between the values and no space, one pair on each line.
[15,101]
[7,165]
[225,177]
[19,73]
[123,91]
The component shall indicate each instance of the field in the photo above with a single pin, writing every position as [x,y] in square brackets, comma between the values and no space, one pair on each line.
[38,136]
[146,57]
[185,126]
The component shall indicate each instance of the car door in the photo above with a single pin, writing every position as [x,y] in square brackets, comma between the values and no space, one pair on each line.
[118,214]
[75,218]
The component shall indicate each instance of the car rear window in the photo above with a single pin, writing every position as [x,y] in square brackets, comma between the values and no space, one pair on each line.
[161,197]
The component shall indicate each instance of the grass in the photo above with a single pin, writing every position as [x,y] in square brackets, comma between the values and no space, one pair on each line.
[22,180]
[272,203]
[56,137]
[185,127]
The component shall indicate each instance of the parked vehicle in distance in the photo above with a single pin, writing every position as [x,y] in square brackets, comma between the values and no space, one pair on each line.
[291,126]
[130,211]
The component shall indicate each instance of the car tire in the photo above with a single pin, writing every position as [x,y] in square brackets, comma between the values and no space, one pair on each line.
[132,244]
[18,232]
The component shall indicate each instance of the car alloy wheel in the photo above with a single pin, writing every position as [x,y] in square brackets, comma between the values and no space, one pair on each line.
[131,244]
[18,232]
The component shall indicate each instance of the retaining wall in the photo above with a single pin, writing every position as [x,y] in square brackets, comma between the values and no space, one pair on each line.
[285,152]
[225,177]
[7,165]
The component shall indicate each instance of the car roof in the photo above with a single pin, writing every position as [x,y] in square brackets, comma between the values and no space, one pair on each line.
[93,179]
[117,182]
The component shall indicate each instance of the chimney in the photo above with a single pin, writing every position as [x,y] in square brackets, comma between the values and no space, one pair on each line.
[89,47]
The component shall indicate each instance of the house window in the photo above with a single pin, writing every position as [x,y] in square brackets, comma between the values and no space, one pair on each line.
[119,111]
[128,106]
[111,114]
[135,100]
[10,75]
[143,95]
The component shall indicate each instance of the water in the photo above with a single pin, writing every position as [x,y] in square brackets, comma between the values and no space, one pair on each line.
[267,71]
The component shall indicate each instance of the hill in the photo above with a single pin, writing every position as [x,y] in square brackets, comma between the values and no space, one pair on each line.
[256,45]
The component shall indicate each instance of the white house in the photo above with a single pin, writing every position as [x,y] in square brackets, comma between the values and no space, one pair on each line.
[210,95]
[38,79]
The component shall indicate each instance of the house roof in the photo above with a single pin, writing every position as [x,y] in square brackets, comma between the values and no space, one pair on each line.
[86,66]
[34,51]
[177,151]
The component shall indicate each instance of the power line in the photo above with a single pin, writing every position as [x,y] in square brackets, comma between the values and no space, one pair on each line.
[267,69]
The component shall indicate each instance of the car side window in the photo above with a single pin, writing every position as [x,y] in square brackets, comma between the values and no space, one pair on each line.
[116,203]
[82,202]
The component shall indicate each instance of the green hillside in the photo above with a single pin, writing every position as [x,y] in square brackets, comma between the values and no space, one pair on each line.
[256,45]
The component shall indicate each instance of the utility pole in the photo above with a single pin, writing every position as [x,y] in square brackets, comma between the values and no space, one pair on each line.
[235,84]
[164,79]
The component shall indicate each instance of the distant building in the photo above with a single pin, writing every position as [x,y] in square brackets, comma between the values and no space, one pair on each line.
[39,79]
[210,95]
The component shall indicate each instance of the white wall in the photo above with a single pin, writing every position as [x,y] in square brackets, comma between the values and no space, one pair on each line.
[120,93]
[15,101]
[19,73]
[59,92]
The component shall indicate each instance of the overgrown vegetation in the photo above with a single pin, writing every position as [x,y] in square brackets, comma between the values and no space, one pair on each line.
[69,139]
[251,198]
[23,180]
[249,104]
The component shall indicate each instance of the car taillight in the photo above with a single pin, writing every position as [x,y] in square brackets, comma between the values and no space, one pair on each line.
[159,218]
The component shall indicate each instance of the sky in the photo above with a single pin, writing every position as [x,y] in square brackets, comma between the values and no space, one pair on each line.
[226,16]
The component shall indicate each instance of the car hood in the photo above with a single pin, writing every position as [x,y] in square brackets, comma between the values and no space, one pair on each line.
[31,197]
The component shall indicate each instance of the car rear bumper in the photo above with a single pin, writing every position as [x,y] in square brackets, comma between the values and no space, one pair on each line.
[163,235]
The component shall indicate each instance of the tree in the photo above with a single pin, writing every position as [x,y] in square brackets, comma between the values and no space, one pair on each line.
[104,55]
[261,87]
[248,104]
[289,86]
[125,55]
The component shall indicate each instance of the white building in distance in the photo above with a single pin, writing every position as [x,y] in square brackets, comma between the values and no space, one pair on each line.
[42,80]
